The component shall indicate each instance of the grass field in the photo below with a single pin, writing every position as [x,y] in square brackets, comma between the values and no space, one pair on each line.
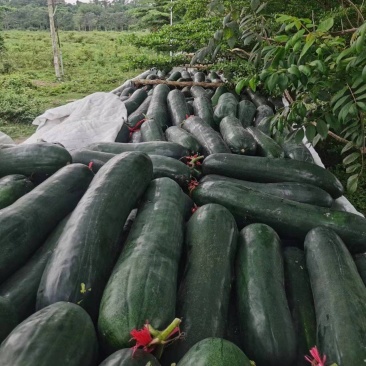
[93,61]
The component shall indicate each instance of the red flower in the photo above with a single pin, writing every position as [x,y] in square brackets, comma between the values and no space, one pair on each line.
[194,208]
[193,160]
[143,339]
[317,360]
[192,185]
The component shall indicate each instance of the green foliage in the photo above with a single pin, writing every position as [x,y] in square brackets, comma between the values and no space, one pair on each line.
[191,9]
[162,62]
[330,153]
[99,15]
[16,108]
[186,36]
[321,69]
[324,74]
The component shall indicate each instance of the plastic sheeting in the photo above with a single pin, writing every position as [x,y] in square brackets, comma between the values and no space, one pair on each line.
[5,139]
[95,118]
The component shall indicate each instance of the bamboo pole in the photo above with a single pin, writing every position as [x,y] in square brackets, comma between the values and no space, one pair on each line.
[176,83]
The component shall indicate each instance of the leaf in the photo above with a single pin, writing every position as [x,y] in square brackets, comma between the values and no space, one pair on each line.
[254,4]
[232,41]
[353,110]
[240,85]
[283,18]
[246,34]
[308,44]
[268,56]
[280,52]
[282,38]
[310,132]
[320,65]
[294,70]
[343,114]
[316,139]
[322,128]
[360,90]
[282,82]
[325,25]
[348,146]
[299,135]
[226,20]
[341,102]
[233,25]
[261,8]
[297,36]
[353,168]
[353,125]
[338,95]
[362,106]
[228,33]
[364,74]
[360,140]
[363,96]
[289,26]
[253,84]
[217,49]
[351,158]
[218,35]
[352,183]
[357,83]
[359,43]
[249,39]
[199,56]
[272,82]
[305,70]
[297,24]
[297,46]
[344,53]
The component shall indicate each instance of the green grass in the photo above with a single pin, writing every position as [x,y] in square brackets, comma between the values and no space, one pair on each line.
[93,61]
[18,132]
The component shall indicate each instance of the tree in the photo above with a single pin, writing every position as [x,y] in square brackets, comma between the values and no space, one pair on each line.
[316,64]
[2,43]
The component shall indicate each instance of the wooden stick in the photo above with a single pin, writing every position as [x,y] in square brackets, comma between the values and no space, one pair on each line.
[198,67]
[176,83]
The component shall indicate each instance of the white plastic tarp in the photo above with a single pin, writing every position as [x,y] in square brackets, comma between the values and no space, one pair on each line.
[95,118]
[5,139]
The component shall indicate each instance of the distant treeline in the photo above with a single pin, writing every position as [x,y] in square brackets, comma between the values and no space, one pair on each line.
[99,15]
